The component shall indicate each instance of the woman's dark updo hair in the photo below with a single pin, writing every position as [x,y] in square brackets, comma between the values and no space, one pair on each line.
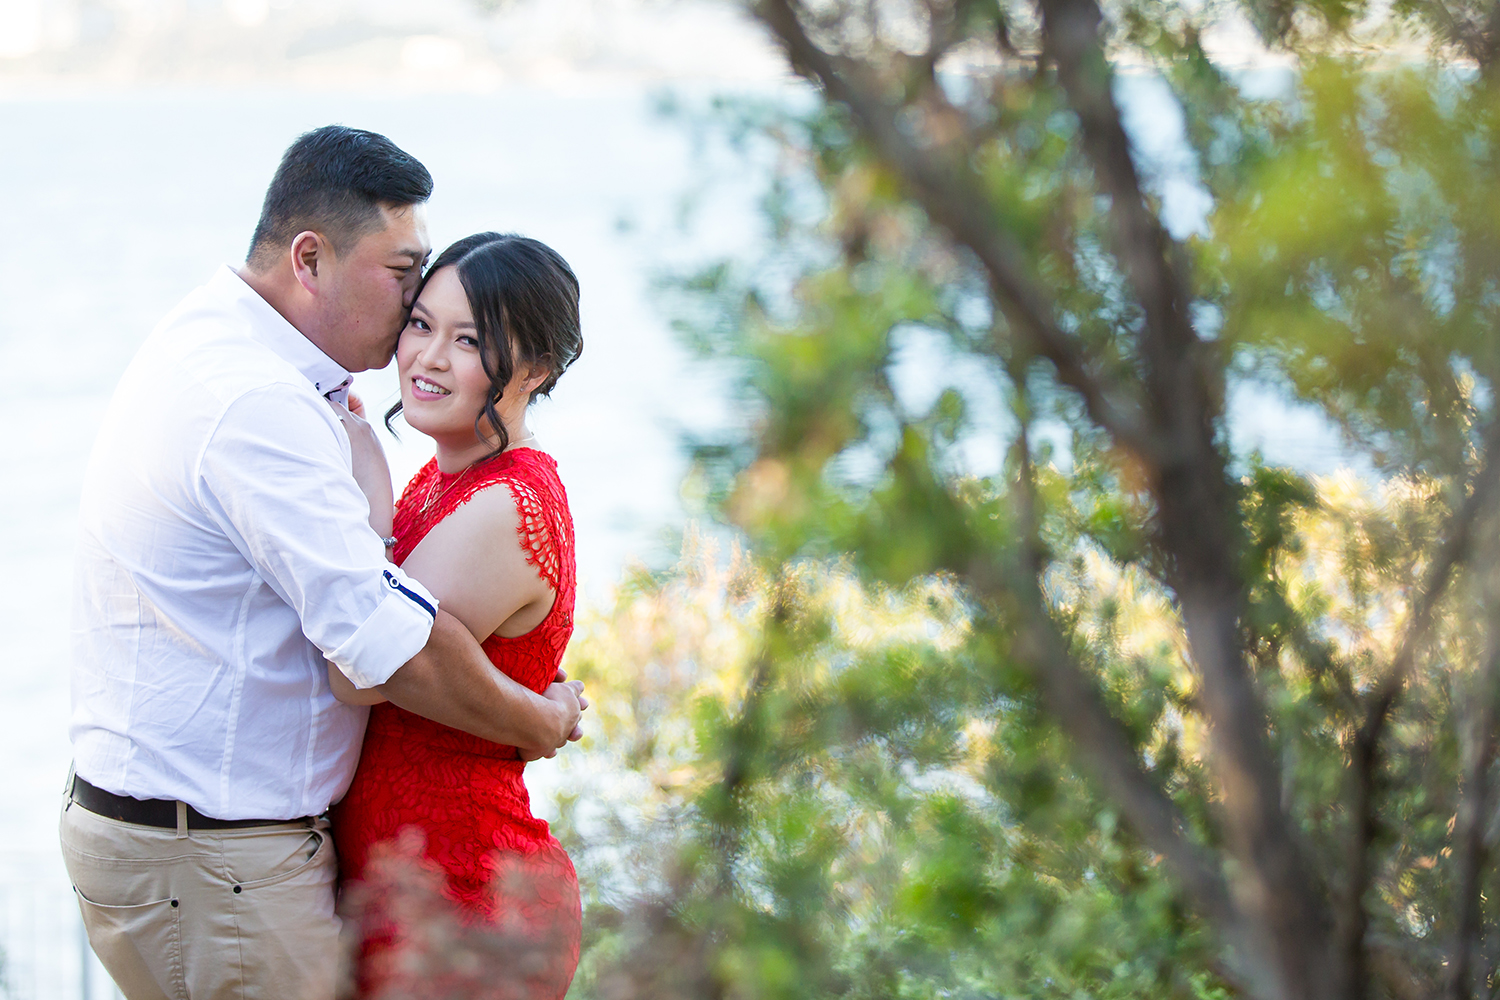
[524,297]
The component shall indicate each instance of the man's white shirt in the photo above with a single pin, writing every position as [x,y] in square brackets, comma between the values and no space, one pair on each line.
[223,549]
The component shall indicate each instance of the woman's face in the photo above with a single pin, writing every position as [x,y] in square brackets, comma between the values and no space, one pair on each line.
[443,382]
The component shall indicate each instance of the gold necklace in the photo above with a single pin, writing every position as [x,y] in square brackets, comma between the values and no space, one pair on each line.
[429,500]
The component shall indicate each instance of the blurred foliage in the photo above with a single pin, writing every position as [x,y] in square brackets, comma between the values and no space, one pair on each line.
[838,774]
[831,786]
[827,765]
[897,823]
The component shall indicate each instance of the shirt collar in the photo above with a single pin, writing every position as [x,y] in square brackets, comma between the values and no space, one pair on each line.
[271,328]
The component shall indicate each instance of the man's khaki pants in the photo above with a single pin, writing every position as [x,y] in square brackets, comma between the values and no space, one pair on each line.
[246,914]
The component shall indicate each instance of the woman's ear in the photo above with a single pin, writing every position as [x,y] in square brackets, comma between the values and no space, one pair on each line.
[536,376]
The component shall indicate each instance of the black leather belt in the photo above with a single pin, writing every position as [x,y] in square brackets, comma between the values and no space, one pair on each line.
[156,812]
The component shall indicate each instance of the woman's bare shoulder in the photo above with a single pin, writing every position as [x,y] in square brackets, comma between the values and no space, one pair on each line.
[487,519]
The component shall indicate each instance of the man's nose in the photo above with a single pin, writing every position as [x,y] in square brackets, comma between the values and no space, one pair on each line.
[410,282]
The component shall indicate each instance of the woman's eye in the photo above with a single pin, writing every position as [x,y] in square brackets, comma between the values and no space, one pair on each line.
[468,341]
[416,324]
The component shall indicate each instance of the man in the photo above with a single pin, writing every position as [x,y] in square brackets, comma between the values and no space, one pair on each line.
[224,550]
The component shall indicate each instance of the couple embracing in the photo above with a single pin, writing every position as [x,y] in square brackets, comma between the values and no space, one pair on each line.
[250,601]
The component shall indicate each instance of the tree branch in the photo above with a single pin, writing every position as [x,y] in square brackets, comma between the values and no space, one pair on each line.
[1097,737]
[1364,756]
[1478,753]
[1485,54]
[1070,32]
[1475,33]
[950,196]
[1105,751]
[1195,521]
[1197,525]
[945,29]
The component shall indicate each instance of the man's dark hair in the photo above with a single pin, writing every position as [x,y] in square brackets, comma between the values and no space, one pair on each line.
[333,181]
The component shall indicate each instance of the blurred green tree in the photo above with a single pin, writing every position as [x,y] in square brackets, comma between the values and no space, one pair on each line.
[1030,683]
[1170,721]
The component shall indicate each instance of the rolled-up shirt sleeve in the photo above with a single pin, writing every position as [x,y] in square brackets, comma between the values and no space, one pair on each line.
[275,475]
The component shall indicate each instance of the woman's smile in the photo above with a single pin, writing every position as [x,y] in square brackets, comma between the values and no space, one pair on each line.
[424,388]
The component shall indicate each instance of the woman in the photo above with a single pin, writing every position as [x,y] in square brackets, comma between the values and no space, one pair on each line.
[484,526]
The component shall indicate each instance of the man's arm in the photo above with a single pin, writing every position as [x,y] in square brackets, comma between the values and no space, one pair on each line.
[451,681]
[446,682]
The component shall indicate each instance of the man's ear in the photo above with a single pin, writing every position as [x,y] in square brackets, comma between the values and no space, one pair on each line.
[307,251]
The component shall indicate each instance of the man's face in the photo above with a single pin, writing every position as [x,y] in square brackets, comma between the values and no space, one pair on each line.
[369,289]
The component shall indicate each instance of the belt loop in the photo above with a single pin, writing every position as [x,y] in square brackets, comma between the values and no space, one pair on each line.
[181,820]
[68,788]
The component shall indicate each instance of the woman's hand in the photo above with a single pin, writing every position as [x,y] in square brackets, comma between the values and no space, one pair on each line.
[371,471]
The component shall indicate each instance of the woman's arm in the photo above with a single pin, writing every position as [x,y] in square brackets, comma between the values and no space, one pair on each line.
[373,475]
[473,563]
[370,468]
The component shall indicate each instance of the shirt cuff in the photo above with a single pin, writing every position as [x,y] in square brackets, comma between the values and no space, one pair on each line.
[397,631]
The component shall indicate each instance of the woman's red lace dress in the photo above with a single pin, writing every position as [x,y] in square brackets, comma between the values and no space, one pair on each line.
[501,865]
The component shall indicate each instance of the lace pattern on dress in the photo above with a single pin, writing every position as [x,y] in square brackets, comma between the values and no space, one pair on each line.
[535,532]
[546,533]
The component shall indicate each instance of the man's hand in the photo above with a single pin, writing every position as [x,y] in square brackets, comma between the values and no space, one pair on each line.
[564,693]
[452,681]
[583,702]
